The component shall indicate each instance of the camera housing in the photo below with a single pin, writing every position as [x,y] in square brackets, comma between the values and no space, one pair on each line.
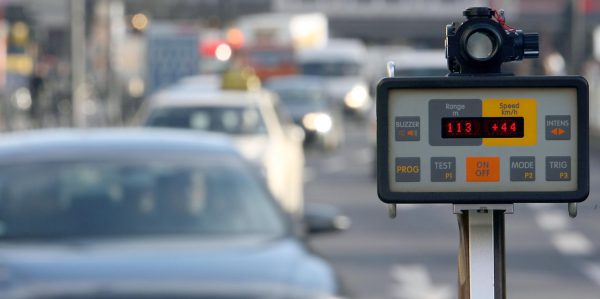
[483,42]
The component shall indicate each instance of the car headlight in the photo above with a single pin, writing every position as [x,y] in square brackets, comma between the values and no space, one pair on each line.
[357,97]
[320,122]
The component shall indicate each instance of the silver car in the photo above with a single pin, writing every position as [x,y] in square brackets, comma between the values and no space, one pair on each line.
[253,119]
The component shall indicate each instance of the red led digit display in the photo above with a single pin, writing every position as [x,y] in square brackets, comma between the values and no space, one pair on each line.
[482,127]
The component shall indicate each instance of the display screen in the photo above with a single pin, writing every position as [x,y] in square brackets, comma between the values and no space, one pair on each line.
[482,127]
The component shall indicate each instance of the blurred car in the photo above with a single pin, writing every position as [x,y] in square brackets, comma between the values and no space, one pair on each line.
[269,61]
[305,100]
[341,64]
[409,63]
[255,122]
[140,213]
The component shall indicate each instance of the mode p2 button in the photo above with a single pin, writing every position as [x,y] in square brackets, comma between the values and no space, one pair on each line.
[483,169]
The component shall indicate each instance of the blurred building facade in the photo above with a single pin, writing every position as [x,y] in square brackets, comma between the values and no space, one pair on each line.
[39,60]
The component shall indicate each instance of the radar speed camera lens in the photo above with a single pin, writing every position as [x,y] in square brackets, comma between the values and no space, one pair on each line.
[481,45]
[483,42]
[482,139]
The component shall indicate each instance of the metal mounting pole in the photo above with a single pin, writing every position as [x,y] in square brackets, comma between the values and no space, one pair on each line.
[391,72]
[572,207]
[78,63]
[481,256]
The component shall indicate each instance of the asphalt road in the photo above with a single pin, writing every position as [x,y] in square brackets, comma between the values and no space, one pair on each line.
[549,255]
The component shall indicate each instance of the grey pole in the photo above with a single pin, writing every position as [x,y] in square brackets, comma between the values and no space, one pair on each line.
[116,27]
[577,33]
[78,62]
[481,254]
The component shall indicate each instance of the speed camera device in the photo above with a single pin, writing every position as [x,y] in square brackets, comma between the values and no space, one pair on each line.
[479,136]
[483,42]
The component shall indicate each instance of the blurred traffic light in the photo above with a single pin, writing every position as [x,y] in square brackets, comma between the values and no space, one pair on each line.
[139,22]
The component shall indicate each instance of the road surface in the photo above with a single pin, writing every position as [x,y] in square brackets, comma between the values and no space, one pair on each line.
[549,255]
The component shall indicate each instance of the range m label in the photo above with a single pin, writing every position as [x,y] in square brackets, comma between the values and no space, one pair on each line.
[443,108]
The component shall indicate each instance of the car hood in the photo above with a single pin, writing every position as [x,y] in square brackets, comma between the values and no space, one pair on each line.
[160,267]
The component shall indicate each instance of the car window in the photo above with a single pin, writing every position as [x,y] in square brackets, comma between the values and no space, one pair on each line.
[301,98]
[150,197]
[270,58]
[283,116]
[230,120]
[330,69]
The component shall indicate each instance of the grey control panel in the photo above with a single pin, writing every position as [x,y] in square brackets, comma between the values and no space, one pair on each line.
[503,143]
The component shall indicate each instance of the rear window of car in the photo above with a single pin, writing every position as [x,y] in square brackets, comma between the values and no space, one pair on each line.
[331,69]
[147,195]
[229,120]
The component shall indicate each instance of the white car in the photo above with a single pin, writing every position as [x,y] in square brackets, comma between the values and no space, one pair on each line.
[253,120]
[341,64]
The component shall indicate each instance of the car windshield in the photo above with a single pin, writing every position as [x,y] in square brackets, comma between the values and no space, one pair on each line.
[216,197]
[305,99]
[330,69]
[229,120]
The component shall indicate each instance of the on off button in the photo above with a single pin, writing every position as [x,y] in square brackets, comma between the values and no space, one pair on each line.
[483,169]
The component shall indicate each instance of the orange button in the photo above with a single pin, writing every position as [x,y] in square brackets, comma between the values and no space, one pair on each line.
[483,169]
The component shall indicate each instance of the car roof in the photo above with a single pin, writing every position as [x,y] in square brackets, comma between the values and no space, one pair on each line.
[198,82]
[294,81]
[220,98]
[336,50]
[49,144]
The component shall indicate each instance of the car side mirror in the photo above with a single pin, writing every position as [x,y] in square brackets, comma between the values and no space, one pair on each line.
[324,218]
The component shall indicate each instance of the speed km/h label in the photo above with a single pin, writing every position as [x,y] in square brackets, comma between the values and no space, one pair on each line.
[525,108]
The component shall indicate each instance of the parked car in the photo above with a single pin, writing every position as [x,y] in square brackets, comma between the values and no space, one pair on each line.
[255,122]
[305,100]
[141,213]
[341,64]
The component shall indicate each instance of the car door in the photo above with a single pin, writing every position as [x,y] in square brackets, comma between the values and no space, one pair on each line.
[288,154]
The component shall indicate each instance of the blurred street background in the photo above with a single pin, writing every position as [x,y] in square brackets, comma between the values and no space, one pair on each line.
[115,63]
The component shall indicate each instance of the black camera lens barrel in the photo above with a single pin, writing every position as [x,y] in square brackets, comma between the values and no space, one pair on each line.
[531,45]
[508,44]
[478,12]
[481,30]
[480,45]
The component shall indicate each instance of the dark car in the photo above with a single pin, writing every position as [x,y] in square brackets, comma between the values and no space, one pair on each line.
[140,213]
[305,99]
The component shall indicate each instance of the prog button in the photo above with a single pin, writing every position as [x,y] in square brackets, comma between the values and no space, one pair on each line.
[408,169]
